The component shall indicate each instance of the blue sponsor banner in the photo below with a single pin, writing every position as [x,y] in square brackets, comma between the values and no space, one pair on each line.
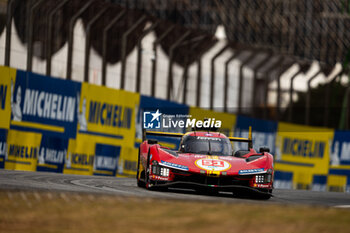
[3,147]
[45,105]
[166,107]
[319,183]
[283,180]
[52,154]
[106,159]
[155,114]
[340,152]
[264,133]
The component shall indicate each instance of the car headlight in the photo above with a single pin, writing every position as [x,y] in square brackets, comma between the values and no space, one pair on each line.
[263,178]
[164,171]
[159,170]
[259,179]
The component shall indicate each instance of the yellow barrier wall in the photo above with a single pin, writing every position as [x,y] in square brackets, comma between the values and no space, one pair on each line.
[304,151]
[7,82]
[105,133]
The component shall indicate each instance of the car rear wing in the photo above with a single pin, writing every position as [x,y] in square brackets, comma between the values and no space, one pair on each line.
[157,133]
[249,139]
[179,135]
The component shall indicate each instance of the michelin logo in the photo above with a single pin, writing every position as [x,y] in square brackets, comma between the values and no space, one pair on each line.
[51,155]
[105,162]
[151,120]
[42,104]
[340,153]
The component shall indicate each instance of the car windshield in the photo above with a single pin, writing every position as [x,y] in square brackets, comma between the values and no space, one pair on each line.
[206,145]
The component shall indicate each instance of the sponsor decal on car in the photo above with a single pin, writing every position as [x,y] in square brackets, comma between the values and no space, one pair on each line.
[262,185]
[154,177]
[213,164]
[174,165]
[251,171]
[208,138]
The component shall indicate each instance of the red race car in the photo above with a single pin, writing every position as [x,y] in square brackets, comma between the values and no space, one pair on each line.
[205,161]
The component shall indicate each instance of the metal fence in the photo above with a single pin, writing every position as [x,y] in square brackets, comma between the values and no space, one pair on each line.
[278,34]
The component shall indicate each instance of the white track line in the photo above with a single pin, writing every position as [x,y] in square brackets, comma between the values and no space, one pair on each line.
[342,206]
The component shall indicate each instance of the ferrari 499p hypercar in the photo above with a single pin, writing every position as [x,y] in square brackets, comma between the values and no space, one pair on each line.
[205,161]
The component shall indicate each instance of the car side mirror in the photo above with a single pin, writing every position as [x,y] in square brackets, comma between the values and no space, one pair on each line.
[182,148]
[264,149]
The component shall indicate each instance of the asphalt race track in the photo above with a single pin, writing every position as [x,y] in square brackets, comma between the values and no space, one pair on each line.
[42,181]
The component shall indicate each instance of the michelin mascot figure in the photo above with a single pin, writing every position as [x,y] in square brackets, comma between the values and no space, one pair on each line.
[16,106]
[81,114]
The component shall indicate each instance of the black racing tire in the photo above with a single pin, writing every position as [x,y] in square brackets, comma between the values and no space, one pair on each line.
[138,166]
[140,182]
[147,180]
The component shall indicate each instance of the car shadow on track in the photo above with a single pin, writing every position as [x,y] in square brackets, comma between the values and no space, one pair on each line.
[213,193]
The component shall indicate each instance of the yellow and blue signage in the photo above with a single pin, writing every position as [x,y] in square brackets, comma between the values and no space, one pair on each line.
[52,153]
[106,112]
[319,183]
[56,125]
[3,147]
[7,82]
[105,132]
[339,167]
[340,154]
[283,180]
[44,105]
[303,150]
[263,132]
[106,159]
[22,150]
[80,157]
